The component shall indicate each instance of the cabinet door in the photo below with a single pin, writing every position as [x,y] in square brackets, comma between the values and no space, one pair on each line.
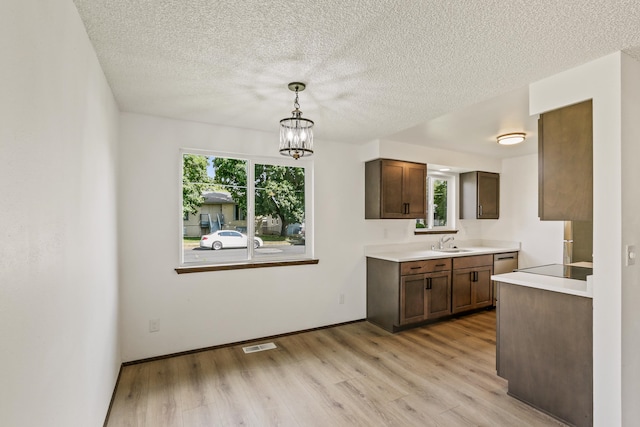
[395,189]
[392,196]
[472,288]
[488,195]
[415,190]
[412,298]
[482,287]
[462,291]
[565,163]
[438,294]
[479,195]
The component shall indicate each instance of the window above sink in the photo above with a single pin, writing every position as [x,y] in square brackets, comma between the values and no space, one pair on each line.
[441,207]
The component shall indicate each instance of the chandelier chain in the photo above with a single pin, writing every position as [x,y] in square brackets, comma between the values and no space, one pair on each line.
[296,104]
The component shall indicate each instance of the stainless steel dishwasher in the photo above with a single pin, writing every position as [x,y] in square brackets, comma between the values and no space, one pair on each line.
[503,263]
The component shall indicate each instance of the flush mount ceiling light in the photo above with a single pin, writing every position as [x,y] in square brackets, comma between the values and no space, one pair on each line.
[511,138]
[296,133]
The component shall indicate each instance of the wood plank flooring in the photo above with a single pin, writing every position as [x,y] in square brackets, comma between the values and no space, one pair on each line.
[351,375]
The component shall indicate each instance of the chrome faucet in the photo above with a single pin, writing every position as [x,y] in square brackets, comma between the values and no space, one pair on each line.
[444,239]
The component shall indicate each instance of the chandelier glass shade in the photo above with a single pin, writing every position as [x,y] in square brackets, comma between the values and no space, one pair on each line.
[296,132]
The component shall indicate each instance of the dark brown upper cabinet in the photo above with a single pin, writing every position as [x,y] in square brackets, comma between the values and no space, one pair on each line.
[479,195]
[565,163]
[395,189]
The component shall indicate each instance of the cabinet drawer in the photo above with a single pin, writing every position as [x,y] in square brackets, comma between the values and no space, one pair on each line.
[425,266]
[472,261]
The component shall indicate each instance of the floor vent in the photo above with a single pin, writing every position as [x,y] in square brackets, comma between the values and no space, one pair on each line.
[259,347]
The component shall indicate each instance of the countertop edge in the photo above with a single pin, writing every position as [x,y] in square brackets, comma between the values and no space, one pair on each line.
[579,288]
[431,254]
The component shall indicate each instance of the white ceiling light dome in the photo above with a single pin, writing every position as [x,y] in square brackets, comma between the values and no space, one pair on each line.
[511,138]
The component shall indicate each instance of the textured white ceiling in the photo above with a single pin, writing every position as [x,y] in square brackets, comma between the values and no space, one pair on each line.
[373,68]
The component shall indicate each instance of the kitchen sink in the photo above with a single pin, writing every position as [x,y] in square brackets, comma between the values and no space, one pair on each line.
[453,250]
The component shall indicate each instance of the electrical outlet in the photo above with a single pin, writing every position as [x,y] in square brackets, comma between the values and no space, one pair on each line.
[630,258]
[154,325]
[341,298]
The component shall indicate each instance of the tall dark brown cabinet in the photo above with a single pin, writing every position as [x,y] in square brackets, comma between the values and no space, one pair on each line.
[565,163]
[479,195]
[395,189]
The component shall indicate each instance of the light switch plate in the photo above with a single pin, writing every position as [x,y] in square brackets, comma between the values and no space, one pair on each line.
[631,254]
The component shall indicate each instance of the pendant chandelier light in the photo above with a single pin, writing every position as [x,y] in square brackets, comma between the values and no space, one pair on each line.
[296,133]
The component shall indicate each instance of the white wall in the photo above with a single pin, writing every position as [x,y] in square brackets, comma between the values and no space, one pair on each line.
[59,355]
[419,153]
[541,241]
[205,309]
[601,80]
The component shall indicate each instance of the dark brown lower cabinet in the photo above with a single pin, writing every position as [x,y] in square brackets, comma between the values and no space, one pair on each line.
[439,303]
[545,350]
[401,294]
[424,296]
[471,286]
[413,298]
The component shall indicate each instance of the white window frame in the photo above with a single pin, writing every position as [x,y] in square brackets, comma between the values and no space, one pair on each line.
[252,160]
[452,195]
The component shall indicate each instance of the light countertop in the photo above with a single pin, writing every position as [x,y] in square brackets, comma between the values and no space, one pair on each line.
[415,255]
[420,251]
[582,288]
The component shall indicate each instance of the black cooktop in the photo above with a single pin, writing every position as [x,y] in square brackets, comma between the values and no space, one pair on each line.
[561,270]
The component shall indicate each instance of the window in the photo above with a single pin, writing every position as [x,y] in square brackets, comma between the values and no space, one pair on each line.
[440,201]
[250,209]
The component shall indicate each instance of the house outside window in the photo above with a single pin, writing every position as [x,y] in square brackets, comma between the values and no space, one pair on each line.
[266,203]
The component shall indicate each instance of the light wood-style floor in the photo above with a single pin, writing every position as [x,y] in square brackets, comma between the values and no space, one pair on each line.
[350,375]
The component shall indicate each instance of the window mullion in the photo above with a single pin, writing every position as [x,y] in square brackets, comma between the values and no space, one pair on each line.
[251,193]
[430,203]
[452,195]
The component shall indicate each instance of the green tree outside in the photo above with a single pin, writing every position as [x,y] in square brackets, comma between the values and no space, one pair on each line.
[231,175]
[280,192]
[279,189]
[440,202]
[194,182]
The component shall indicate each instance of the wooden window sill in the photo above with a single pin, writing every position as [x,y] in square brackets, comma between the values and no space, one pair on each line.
[244,266]
[432,231]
